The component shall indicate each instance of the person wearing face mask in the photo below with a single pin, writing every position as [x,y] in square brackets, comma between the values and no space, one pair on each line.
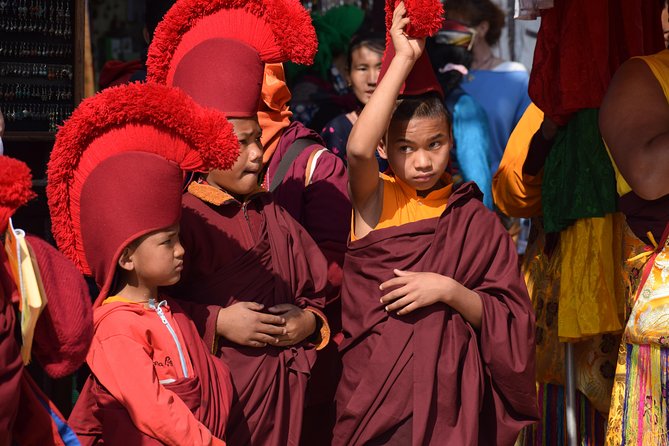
[362,72]
[451,57]
[499,86]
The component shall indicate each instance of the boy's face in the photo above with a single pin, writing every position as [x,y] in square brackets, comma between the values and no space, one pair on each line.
[418,150]
[156,258]
[242,178]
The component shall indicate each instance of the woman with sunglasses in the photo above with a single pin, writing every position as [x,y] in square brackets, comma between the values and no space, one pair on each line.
[499,86]
[451,57]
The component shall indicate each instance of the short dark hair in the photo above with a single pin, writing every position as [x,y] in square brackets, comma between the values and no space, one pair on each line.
[476,11]
[372,40]
[428,105]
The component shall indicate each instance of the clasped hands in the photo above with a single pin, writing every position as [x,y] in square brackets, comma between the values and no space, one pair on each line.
[245,323]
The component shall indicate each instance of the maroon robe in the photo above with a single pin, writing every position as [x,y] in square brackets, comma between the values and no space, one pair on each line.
[11,366]
[99,419]
[27,417]
[323,207]
[255,252]
[429,378]
[324,210]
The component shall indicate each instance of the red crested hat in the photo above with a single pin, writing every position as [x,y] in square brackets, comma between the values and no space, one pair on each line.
[425,19]
[116,169]
[15,188]
[215,50]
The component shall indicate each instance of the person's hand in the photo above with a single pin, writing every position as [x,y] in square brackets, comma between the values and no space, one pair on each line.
[406,47]
[411,291]
[244,324]
[549,128]
[300,324]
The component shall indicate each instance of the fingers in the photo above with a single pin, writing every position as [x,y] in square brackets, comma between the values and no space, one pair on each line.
[400,10]
[400,273]
[262,340]
[270,329]
[408,309]
[255,306]
[399,304]
[271,319]
[394,282]
[281,308]
[394,295]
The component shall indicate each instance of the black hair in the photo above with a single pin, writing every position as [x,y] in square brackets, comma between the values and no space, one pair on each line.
[428,105]
[372,40]
[440,55]
[473,12]
[154,13]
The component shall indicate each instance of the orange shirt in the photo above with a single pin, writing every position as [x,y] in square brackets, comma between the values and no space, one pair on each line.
[402,205]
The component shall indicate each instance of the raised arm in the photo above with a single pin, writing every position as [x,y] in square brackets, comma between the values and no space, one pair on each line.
[634,121]
[373,122]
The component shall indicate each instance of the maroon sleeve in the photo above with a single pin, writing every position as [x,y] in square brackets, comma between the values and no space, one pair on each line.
[204,317]
[327,212]
[304,266]
[11,366]
[506,337]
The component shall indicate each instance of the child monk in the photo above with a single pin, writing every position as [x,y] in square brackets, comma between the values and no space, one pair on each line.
[115,185]
[219,52]
[439,330]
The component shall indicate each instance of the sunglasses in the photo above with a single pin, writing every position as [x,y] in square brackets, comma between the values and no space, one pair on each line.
[463,37]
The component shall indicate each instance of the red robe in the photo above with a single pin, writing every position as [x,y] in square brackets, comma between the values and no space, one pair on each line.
[254,252]
[324,210]
[27,417]
[429,378]
[11,366]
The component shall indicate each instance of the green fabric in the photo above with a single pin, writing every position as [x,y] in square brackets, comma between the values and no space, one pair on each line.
[334,30]
[579,181]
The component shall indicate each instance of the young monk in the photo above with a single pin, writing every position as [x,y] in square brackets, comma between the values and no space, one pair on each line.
[439,331]
[115,184]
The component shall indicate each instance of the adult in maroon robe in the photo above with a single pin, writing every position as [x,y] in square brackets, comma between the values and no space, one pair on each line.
[324,210]
[429,378]
[254,251]
[323,207]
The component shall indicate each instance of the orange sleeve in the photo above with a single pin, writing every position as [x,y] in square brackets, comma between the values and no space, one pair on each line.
[123,366]
[516,194]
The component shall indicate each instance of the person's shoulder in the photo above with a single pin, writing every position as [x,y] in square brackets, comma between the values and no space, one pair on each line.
[510,66]
[635,70]
[118,318]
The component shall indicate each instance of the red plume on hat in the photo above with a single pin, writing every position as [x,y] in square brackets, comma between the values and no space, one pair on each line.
[115,171]
[215,50]
[15,188]
[425,19]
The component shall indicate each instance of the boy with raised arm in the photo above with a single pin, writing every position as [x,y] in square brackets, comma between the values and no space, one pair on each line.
[439,330]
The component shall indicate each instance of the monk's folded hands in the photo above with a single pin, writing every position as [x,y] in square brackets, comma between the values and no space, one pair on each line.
[244,323]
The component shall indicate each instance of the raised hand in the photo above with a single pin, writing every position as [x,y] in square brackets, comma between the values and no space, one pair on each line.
[244,324]
[407,47]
